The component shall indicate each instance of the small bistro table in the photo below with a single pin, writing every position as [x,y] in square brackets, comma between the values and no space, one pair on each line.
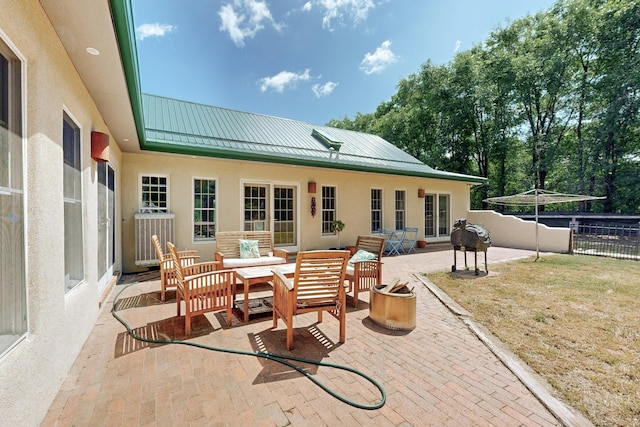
[262,274]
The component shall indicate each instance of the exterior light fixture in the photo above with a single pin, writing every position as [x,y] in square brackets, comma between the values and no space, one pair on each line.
[99,146]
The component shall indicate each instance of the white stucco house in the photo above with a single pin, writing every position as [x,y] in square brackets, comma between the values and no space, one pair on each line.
[84,155]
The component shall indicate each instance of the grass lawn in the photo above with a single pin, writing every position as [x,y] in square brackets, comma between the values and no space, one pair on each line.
[574,319]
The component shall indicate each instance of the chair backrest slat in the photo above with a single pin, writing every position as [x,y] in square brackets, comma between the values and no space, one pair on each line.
[176,264]
[319,276]
[373,244]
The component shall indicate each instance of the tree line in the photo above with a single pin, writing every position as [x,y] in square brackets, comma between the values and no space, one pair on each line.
[550,101]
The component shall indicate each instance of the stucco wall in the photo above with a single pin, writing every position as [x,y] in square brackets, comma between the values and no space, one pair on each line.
[352,188]
[58,323]
[512,232]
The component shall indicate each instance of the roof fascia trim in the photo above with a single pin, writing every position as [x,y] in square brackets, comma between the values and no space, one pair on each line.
[265,158]
[124,28]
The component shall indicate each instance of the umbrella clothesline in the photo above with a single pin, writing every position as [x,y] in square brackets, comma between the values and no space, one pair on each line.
[537,197]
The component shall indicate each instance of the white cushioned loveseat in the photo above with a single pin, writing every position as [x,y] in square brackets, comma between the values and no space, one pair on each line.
[238,249]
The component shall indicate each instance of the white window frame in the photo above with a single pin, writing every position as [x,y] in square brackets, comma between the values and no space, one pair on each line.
[70,282]
[402,211]
[448,214]
[277,226]
[214,209]
[270,222]
[19,307]
[143,206]
[436,215]
[332,212]
[380,210]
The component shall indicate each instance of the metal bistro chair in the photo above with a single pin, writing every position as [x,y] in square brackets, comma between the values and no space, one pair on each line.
[409,241]
[393,244]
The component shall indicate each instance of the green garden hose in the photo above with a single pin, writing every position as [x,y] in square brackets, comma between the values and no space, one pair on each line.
[280,358]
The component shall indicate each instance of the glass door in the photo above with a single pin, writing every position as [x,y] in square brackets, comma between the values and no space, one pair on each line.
[284,216]
[106,229]
[256,208]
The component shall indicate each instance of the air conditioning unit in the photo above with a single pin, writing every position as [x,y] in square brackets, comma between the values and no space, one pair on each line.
[148,224]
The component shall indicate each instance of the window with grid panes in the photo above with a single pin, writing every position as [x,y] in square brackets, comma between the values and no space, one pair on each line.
[376,210]
[328,210]
[255,208]
[204,209]
[154,194]
[429,215]
[443,215]
[400,209]
[284,216]
[436,215]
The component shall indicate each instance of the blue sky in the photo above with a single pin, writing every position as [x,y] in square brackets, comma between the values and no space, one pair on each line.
[308,60]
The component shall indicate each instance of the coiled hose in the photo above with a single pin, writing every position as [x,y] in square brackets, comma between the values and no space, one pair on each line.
[280,358]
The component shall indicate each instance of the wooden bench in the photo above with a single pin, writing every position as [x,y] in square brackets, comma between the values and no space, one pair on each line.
[228,249]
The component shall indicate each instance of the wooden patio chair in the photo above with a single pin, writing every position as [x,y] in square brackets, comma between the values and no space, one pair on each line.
[167,273]
[203,290]
[362,274]
[318,285]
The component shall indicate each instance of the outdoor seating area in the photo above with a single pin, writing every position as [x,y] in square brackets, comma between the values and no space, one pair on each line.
[237,249]
[135,383]
[400,241]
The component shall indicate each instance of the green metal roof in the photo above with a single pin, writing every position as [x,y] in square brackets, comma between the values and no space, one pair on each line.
[174,126]
[189,128]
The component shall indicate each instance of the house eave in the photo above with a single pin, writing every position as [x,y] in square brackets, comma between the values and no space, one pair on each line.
[210,152]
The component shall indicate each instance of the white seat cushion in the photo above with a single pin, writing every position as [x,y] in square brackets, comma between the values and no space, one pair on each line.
[251,262]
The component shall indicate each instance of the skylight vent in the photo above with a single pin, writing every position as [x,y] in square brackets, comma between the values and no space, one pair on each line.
[330,141]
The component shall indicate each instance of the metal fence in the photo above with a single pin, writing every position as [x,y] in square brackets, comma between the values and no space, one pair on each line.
[615,241]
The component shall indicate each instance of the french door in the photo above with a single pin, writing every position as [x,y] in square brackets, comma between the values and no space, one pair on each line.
[106,229]
[272,207]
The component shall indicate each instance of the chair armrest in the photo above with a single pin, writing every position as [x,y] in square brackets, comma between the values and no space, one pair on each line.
[188,253]
[281,253]
[166,263]
[219,256]
[280,280]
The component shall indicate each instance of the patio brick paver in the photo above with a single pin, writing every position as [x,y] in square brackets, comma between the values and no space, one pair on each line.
[438,374]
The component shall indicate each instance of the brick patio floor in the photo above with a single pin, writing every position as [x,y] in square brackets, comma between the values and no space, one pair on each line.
[438,374]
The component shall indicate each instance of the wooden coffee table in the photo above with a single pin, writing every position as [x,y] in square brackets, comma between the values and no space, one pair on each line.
[262,274]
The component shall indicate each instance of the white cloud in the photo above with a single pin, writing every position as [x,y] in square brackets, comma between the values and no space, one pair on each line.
[377,61]
[283,80]
[338,10]
[244,18]
[153,30]
[456,47]
[323,90]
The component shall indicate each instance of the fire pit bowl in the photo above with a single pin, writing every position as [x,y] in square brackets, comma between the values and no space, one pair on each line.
[393,310]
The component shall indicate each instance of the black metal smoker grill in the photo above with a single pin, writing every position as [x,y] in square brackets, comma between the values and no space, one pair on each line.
[469,238]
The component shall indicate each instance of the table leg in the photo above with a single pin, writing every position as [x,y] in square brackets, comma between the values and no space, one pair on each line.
[245,285]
